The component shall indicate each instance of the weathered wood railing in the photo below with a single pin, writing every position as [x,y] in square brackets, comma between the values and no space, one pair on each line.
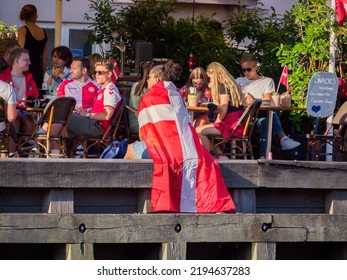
[78,205]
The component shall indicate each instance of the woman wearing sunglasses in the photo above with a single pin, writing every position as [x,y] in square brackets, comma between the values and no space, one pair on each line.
[253,86]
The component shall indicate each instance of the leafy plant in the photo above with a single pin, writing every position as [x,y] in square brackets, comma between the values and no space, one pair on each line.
[308,52]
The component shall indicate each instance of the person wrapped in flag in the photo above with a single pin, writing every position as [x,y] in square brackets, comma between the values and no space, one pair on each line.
[186,178]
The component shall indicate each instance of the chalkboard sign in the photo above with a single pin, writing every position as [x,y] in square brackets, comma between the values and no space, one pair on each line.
[321,95]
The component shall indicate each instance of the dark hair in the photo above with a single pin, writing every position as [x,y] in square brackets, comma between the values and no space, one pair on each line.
[172,71]
[28,12]
[145,69]
[10,47]
[16,54]
[63,53]
[83,60]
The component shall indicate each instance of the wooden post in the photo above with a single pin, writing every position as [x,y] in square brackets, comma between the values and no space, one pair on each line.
[79,251]
[174,251]
[264,251]
[58,22]
[58,201]
[143,201]
[336,202]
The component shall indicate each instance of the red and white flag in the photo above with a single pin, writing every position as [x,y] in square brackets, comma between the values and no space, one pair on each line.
[116,71]
[284,77]
[340,7]
[186,178]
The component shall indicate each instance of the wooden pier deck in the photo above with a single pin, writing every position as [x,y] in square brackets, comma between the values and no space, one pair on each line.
[99,209]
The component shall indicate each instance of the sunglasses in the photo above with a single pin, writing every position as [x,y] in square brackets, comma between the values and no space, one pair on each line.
[249,69]
[100,73]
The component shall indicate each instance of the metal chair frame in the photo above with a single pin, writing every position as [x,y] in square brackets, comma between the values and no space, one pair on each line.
[99,144]
[57,112]
[317,143]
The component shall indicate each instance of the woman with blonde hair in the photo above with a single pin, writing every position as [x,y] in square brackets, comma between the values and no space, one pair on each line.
[227,96]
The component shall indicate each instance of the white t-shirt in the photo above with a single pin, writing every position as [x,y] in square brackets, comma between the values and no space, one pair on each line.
[256,87]
[7,93]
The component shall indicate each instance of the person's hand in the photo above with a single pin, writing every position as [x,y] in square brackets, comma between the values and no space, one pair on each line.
[248,98]
[81,111]
[57,72]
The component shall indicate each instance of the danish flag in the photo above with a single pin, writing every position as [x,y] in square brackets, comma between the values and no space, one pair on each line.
[116,71]
[340,11]
[284,77]
[186,178]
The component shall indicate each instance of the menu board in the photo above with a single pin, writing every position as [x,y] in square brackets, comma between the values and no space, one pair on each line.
[321,94]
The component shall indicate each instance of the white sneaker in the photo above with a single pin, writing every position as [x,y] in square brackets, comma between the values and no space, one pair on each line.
[288,144]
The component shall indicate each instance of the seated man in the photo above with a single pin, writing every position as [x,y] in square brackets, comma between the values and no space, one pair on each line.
[24,86]
[253,86]
[80,86]
[95,122]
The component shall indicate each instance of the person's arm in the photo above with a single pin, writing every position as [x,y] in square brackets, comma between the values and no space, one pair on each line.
[105,115]
[21,36]
[223,107]
[11,112]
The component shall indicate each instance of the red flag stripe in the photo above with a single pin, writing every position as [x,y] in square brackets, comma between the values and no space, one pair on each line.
[284,77]
[340,11]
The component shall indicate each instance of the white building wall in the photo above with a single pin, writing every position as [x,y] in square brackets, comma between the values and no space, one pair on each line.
[74,10]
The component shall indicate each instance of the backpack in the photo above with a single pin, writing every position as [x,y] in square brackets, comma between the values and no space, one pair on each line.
[115,150]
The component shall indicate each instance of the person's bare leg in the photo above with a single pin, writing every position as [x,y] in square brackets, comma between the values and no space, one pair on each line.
[130,152]
[203,132]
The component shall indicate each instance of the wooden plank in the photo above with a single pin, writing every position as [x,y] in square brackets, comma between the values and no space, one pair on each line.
[280,174]
[270,200]
[174,251]
[91,173]
[75,173]
[327,228]
[166,228]
[240,173]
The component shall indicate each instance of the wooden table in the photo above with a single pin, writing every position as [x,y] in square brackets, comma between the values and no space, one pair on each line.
[270,110]
[191,110]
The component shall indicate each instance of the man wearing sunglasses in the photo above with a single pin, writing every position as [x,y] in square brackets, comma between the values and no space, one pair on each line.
[253,86]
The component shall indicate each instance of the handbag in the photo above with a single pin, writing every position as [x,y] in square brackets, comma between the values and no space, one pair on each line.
[115,150]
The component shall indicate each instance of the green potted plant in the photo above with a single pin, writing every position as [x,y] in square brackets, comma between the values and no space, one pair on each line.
[193,97]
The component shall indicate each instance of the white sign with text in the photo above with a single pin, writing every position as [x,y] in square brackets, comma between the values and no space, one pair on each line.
[321,94]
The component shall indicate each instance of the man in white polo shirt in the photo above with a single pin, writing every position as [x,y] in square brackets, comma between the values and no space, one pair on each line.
[81,86]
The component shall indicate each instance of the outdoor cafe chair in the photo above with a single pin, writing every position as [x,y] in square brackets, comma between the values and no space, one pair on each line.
[57,113]
[92,147]
[238,147]
[317,143]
